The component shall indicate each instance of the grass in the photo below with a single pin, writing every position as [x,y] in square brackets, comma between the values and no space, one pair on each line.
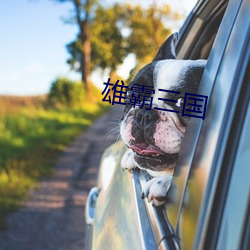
[31,139]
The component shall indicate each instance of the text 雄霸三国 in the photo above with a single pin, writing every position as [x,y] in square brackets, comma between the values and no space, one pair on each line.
[188,104]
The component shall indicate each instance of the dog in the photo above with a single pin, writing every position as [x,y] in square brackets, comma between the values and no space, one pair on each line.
[154,136]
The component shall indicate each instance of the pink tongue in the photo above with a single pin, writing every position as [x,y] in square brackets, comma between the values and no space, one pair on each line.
[145,149]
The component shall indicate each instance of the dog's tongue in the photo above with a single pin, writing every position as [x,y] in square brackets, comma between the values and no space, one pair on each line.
[145,149]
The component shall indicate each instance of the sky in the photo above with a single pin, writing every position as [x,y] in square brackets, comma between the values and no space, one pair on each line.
[32,44]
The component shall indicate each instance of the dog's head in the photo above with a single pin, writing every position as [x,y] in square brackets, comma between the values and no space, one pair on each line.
[155,135]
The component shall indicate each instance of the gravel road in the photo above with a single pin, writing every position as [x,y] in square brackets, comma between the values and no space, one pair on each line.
[53,218]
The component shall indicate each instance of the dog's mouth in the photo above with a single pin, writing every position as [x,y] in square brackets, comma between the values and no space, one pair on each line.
[155,156]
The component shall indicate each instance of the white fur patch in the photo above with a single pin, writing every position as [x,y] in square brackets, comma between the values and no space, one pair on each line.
[168,138]
[127,161]
[125,129]
[169,74]
[157,188]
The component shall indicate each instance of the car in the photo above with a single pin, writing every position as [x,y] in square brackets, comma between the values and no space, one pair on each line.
[208,203]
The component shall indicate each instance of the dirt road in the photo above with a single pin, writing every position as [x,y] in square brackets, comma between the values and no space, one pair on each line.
[53,218]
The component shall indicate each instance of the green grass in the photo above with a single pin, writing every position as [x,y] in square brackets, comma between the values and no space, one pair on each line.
[31,139]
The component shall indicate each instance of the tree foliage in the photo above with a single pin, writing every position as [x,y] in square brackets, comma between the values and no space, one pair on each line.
[108,44]
[147,31]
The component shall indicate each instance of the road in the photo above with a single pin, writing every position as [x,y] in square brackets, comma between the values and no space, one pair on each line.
[53,217]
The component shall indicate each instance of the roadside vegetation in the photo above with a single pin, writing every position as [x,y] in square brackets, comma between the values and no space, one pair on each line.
[34,131]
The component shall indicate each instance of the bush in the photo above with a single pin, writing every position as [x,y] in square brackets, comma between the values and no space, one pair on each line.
[65,92]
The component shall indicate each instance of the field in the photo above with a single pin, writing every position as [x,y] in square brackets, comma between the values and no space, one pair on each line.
[32,135]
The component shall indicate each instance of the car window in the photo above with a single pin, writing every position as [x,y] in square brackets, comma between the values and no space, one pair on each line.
[235,215]
[202,24]
[206,141]
[198,34]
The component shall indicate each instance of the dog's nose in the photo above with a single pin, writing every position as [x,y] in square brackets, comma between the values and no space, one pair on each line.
[144,118]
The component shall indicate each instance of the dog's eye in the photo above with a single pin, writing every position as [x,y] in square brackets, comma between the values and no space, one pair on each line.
[179,102]
[129,94]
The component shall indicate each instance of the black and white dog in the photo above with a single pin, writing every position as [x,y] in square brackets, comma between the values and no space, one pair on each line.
[154,136]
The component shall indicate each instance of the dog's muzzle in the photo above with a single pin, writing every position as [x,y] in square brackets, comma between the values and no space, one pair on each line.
[145,118]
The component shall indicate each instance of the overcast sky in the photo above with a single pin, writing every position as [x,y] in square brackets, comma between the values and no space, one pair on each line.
[32,44]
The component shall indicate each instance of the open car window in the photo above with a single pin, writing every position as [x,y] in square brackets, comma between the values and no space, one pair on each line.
[196,41]
[198,33]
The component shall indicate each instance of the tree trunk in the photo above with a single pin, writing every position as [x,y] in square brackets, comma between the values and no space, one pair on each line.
[86,45]
[86,57]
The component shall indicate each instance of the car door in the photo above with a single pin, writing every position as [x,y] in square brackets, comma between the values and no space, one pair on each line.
[122,219]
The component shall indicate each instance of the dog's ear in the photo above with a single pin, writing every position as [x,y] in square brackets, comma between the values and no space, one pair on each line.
[167,49]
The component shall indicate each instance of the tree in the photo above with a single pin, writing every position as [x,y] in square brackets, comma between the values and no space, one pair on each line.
[122,29]
[83,15]
[108,48]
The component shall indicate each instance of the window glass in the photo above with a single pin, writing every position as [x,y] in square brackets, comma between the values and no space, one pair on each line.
[236,206]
